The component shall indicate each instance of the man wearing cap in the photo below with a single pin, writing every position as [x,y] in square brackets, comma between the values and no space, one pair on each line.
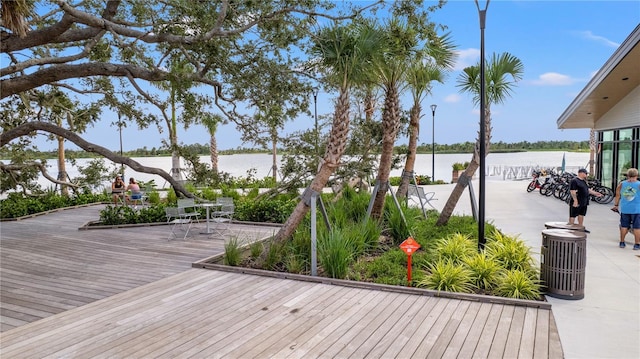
[627,202]
[579,199]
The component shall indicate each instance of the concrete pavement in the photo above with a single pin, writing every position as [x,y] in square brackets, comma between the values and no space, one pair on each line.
[606,322]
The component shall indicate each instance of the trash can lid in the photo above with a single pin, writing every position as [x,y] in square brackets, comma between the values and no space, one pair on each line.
[563,225]
[564,233]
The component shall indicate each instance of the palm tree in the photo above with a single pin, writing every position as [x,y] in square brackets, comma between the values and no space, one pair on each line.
[211,124]
[399,43]
[502,72]
[343,53]
[440,56]
[14,13]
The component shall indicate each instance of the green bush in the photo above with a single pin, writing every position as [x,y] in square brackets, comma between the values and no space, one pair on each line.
[484,271]
[455,248]
[445,275]
[232,252]
[518,284]
[335,253]
[510,252]
[256,249]
[18,205]
[388,268]
[266,210]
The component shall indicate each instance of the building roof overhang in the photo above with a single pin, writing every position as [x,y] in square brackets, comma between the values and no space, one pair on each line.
[616,79]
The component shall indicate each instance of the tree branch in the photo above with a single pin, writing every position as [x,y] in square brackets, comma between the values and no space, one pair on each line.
[29,127]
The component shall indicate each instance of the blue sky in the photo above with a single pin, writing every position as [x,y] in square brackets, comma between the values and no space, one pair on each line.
[562,44]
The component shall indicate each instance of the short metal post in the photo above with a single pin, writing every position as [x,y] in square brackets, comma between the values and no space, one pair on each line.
[314,235]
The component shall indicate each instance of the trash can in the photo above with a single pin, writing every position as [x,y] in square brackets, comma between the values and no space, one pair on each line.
[564,225]
[563,262]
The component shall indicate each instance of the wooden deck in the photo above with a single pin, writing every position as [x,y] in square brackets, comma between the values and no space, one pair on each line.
[130,293]
[48,266]
[211,314]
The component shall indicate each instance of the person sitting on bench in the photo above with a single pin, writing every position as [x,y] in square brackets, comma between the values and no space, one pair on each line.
[117,190]
[135,192]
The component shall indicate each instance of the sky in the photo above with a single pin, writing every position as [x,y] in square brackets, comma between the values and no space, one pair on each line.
[561,44]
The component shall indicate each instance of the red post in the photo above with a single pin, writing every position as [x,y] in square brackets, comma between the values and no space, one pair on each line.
[409,246]
[409,270]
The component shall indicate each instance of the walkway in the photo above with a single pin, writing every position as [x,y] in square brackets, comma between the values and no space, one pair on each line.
[48,266]
[154,305]
[606,323]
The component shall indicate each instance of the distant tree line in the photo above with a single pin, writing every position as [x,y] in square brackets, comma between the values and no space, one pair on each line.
[464,147]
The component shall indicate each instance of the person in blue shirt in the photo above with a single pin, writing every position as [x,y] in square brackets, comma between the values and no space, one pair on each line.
[627,202]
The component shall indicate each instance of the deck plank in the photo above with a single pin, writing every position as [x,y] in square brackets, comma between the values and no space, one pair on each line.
[371,335]
[461,334]
[541,343]
[444,338]
[502,333]
[432,336]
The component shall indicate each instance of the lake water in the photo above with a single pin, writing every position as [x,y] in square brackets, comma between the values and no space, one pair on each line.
[499,165]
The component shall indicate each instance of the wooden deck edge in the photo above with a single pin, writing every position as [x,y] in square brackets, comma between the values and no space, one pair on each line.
[48,212]
[206,264]
[90,225]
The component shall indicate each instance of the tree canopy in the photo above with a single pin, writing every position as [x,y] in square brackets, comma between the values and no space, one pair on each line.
[126,56]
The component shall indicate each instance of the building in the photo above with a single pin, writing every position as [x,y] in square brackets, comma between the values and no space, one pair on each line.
[610,106]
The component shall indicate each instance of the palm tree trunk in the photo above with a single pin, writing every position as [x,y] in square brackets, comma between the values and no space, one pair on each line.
[274,160]
[62,168]
[468,173]
[213,153]
[458,190]
[173,139]
[409,166]
[390,121]
[335,148]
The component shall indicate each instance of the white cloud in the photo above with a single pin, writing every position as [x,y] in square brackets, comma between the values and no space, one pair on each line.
[553,79]
[453,98]
[603,40]
[466,58]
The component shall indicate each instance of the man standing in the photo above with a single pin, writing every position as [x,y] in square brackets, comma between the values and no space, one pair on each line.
[579,200]
[627,202]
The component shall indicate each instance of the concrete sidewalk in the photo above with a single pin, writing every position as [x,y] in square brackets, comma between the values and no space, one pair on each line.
[606,322]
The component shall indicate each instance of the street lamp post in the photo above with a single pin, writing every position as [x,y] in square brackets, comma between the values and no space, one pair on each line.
[315,111]
[433,142]
[120,130]
[481,214]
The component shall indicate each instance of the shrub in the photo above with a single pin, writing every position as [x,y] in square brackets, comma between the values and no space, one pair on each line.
[232,252]
[274,256]
[518,284]
[256,249]
[335,254]
[118,215]
[266,210]
[295,264]
[443,275]
[484,271]
[510,252]
[388,268]
[455,248]
[398,228]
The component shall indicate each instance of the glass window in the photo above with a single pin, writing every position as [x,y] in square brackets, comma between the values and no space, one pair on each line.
[626,134]
[624,158]
[607,163]
[607,135]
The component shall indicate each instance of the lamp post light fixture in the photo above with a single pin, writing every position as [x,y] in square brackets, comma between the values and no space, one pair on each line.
[433,142]
[315,112]
[483,147]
